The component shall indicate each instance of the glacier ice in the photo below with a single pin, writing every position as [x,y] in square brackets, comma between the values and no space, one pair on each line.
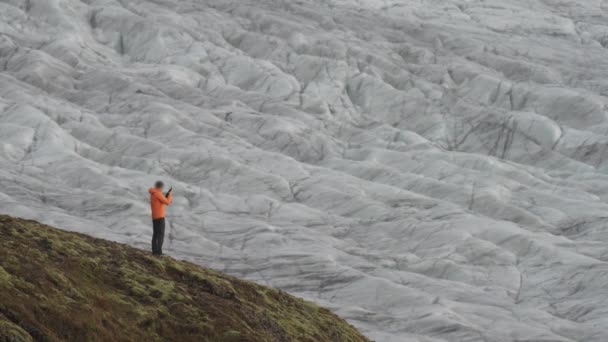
[429,170]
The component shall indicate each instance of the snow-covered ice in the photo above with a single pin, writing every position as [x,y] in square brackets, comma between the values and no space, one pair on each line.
[429,170]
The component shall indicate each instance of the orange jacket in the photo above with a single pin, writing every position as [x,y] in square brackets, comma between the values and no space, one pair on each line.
[158,201]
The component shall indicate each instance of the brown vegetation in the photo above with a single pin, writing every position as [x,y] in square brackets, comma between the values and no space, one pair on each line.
[62,286]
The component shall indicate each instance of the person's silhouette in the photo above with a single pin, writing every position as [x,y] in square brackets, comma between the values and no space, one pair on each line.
[158,201]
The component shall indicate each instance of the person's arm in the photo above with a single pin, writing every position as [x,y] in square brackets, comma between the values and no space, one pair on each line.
[162,199]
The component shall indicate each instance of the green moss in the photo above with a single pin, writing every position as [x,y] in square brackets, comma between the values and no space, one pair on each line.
[232,336]
[5,277]
[10,332]
[63,286]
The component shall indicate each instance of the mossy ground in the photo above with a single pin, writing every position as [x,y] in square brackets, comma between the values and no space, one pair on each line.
[62,286]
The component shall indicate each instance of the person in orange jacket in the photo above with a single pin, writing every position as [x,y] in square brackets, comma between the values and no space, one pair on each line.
[158,201]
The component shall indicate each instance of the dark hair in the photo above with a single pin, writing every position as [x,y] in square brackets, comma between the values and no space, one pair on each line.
[159,184]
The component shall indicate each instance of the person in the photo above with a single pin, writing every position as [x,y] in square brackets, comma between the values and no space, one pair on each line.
[158,201]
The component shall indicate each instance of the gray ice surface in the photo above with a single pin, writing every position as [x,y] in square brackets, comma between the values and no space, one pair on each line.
[431,170]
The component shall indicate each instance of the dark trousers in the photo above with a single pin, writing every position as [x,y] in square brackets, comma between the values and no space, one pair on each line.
[158,235]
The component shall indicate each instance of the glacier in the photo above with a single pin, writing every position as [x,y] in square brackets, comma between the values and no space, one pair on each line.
[429,170]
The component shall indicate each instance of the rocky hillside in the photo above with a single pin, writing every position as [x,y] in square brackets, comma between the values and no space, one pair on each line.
[62,286]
